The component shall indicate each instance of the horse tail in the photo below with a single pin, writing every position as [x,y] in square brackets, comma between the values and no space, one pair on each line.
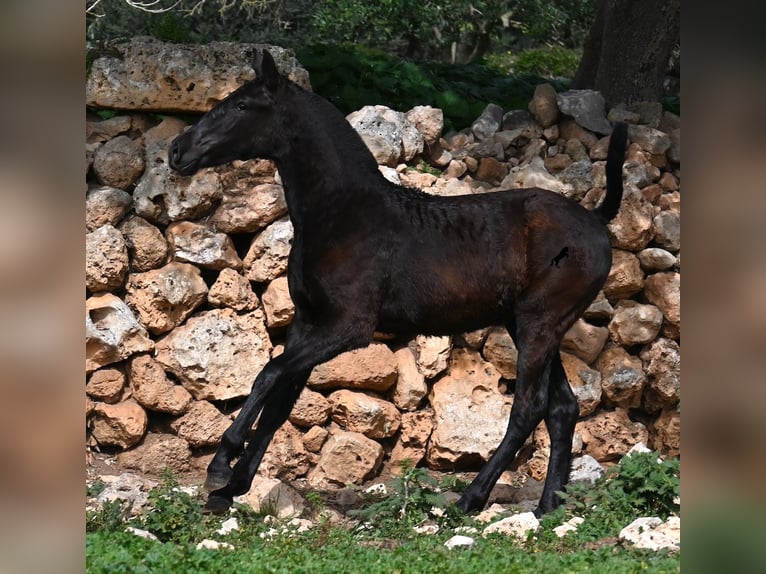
[614,160]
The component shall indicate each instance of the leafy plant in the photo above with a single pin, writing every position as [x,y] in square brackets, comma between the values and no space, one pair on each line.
[174,515]
[547,61]
[110,517]
[640,485]
[416,497]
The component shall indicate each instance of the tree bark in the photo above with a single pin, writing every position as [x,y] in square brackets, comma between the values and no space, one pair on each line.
[628,49]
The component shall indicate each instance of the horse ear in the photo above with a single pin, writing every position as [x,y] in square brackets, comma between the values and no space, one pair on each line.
[265,68]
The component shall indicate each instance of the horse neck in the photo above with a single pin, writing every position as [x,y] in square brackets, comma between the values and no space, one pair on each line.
[326,163]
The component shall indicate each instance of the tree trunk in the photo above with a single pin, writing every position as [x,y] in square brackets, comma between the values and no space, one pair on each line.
[628,49]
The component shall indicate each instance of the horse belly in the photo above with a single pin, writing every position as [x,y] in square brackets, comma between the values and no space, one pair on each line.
[443,301]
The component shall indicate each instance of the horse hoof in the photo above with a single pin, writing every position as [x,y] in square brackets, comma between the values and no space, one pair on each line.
[216,505]
[217,480]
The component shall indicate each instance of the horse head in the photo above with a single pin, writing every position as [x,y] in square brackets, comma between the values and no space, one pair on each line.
[242,126]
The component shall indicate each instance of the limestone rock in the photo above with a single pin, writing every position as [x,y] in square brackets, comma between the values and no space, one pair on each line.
[147,74]
[534,174]
[578,178]
[372,368]
[607,436]
[634,323]
[519,526]
[105,205]
[428,121]
[248,210]
[653,533]
[106,259]
[585,468]
[162,195]
[364,413]
[666,433]
[431,354]
[314,438]
[544,106]
[165,297]
[470,414]
[104,130]
[649,139]
[600,310]
[277,303]
[569,129]
[201,245]
[633,227]
[585,383]
[311,409]
[112,333]
[662,362]
[119,162]
[153,390]
[232,290]
[217,354]
[664,291]
[272,496]
[202,425]
[286,458]
[346,458]
[622,377]
[625,277]
[122,424]
[587,107]
[668,231]
[266,258]
[147,247]
[656,259]
[106,385]
[410,385]
[388,134]
[500,350]
[415,431]
[488,122]
[156,453]
[585,340]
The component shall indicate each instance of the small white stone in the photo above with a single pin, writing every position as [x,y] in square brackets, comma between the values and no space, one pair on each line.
[142,533]
[378,489]
[228,526]
[459,541]
[208,544]
[426,529]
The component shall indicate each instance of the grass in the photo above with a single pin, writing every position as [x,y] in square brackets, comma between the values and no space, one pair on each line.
[338,550]
[379,537]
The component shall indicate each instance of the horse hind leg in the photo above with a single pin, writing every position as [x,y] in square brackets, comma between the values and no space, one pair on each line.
[529,407]
[560,419]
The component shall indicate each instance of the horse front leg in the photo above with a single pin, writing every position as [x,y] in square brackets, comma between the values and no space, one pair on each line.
[274,393]
[275,412]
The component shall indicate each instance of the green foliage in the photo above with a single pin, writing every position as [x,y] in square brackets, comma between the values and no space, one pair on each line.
[174,514]
[416,497]
[548,62]
[110,517]
[95,488]
[389,545]
[640,485]
[171,28]
[353,76]
[563,22]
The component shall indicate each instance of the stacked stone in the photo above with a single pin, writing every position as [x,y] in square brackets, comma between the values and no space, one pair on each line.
[187,297]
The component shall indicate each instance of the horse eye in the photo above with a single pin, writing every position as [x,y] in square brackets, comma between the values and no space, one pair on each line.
[241,106]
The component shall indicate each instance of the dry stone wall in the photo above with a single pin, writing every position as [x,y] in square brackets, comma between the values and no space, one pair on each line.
[187,297]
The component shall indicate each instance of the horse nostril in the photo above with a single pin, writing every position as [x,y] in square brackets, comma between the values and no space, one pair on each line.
[175,153]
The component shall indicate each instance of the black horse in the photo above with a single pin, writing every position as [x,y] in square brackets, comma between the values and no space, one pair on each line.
[370,255]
